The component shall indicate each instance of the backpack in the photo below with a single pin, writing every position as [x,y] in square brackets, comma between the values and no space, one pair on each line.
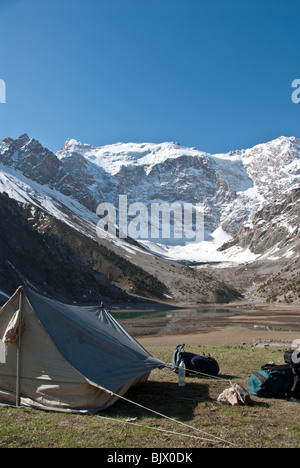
[277,381]
[194,362]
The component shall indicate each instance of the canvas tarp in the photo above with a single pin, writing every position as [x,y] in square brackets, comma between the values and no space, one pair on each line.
[70,356]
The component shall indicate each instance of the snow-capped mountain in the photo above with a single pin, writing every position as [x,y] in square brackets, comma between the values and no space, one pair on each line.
[156,173]
[232,187]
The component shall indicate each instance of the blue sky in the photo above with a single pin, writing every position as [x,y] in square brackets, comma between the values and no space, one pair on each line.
[213,74]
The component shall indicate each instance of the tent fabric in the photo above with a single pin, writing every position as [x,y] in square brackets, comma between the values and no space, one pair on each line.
[71,356]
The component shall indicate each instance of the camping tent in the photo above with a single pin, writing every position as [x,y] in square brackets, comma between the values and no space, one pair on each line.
[66,357]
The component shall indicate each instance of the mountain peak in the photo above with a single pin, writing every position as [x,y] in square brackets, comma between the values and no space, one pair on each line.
[23,139]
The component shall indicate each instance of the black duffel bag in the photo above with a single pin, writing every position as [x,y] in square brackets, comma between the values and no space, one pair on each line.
[194,362]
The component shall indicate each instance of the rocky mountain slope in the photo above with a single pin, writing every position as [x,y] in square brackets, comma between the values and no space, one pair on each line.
[42,251]
[273,237]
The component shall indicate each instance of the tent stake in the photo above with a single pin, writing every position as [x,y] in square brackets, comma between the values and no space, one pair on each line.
[19,351]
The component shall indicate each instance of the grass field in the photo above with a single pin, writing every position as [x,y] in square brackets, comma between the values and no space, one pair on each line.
[267,423]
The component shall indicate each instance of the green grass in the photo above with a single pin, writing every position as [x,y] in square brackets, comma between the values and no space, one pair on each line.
[267,423]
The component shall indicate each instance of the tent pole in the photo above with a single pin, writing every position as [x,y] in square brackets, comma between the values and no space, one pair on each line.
[19,351]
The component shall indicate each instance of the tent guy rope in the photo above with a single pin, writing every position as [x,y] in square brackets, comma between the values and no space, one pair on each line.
[217,377]
[144,426]
[215,438]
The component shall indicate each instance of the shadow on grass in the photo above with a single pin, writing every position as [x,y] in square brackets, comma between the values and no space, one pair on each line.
[166,398]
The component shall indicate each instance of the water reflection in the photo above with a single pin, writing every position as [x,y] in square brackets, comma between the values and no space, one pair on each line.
[179,313]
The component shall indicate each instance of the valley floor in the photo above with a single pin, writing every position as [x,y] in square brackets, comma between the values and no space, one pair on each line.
[223,336]
[261,326]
